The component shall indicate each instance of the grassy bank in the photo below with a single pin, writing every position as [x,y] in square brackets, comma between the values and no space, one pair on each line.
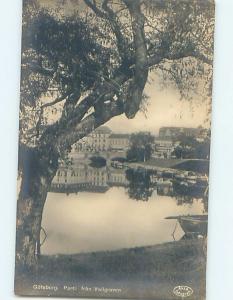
[199,166]
[194,165]
[163,163]
[152,271]
[160,261]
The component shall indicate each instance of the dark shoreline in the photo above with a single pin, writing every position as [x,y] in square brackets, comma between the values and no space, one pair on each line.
[151,271]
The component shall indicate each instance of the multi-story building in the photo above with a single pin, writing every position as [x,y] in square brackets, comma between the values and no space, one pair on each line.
[98,140]
[119,141]
[163,147]
[102,139]
[174,132]
[168,139]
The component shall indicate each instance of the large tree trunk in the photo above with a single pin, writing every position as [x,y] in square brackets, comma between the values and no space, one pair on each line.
[38,168]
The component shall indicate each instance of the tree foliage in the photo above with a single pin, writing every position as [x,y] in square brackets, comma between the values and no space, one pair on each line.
[87,61]
[139,187]
[82,68]
[191,147]
[141,146]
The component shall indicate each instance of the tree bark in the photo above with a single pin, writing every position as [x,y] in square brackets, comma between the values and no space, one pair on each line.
[38,169]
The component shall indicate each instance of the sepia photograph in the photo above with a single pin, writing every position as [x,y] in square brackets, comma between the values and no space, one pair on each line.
[114,148]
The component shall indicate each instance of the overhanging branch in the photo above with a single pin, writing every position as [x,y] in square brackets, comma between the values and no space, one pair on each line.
[95,9]
[110,16]
[141,70]
[87,125]
[158,57]
[57,100]
[116,28]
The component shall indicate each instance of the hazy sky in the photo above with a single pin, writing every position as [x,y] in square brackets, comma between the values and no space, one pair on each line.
[165,109]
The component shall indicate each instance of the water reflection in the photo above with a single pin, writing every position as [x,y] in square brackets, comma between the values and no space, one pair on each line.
[86,178]
[139,184]
[92,209]
[95,221]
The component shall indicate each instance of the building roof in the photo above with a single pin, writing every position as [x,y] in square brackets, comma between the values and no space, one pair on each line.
[174,131]
[103,129]
[119,135]
[163,138]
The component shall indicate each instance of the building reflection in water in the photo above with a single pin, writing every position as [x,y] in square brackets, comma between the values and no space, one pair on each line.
[86,178]
[138,183]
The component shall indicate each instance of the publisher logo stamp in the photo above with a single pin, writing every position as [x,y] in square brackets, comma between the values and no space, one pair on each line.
[183,291]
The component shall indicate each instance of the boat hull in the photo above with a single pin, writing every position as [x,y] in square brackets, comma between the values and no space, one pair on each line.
[191,225]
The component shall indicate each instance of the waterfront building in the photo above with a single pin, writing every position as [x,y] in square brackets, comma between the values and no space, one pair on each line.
[100,140]
[119,141]
[163,147]
[175,132]
[169,138]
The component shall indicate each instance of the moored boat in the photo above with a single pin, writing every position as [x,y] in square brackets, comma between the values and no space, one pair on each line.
[192,224]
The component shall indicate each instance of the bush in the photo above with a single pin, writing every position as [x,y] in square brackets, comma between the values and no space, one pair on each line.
[97,162]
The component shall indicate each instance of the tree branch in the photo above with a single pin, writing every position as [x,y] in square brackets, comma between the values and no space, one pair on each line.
[116,28]
[96,99]
[57,100]
[158,57]
[95,9]
[109,15]
[87,125]
[141,70]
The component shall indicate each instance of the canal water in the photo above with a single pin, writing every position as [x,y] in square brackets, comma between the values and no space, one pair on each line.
[110,220]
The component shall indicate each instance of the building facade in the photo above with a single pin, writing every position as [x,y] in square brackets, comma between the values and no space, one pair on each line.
[119,141]
[174,132]
[102,139]
[169,138]
[163,148]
